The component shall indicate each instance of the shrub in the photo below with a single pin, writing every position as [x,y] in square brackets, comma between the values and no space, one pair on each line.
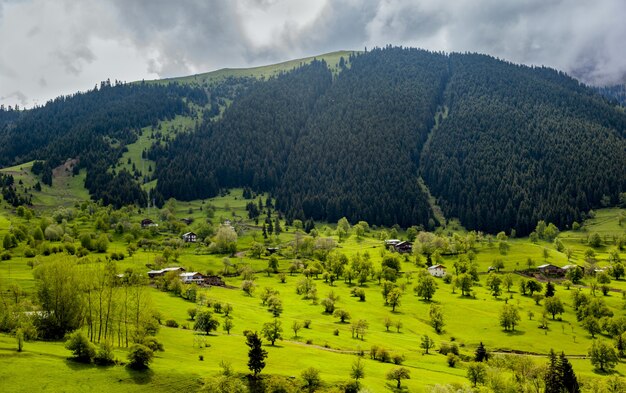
[307,324]
[5,256]
[83,350]
[152,343]
[139,356]
[104,356]
[29,252]
[397,359]
[171,323]
[452,359]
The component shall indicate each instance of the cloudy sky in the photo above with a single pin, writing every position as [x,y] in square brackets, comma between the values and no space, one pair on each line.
[54,47]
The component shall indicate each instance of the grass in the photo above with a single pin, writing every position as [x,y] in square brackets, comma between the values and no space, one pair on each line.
[260,72]
[469,320]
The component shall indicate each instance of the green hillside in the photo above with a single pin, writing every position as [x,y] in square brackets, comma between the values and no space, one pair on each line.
[327,345]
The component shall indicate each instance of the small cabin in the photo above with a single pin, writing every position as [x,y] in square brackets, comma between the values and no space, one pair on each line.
[147,223]
[272,250]
[190,237]
[190,277]
[403,247]
[437,270]
[550,270]
[187,220]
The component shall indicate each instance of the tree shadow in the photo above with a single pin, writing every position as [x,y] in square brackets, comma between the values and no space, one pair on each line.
[514,332]
[140,377]
[77,365]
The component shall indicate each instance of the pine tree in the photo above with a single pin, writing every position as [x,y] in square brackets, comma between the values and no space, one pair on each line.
[256,354]
[549,289]
[552,377]
[569,383]
[481,353]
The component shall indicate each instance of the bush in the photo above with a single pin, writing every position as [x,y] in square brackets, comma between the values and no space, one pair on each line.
[171,323]
[5,256]
[104,356]
[29,252]
[139,356]
[397,359]
[452,359]
[81,348]
[307,324]
[152,343]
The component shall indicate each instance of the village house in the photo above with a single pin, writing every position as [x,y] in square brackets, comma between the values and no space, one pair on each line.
[398,245]
[147,223]
[567,268]
[187,220]
[550,270]
[162,272]
[437,270]
[190,237]
[189,277]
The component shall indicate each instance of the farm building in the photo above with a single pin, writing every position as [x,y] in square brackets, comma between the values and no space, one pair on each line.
[437,270]
[147,223]
[189,277]
[215,281]
[162,272]
[398,245]
[190,237]
[567,268]
[187,220]
[550,270]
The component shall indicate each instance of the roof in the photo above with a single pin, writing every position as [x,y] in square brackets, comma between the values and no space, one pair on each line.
[165,270]
[433,267]
[547,265]
[189,234]
[189,274]
[567,267]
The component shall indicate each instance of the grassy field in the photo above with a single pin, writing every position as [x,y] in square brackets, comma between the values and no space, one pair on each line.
[260,72]
[328,345]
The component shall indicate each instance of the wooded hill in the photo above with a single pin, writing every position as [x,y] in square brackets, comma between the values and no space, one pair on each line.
[499,145]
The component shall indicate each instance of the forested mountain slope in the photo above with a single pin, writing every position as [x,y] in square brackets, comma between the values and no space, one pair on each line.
[522,144]
[93,127]
[519,144]
[358,154]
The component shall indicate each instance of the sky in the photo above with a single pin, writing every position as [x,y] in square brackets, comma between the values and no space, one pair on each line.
[57,47]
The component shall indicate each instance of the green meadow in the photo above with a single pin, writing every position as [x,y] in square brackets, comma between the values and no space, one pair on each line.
[328,345]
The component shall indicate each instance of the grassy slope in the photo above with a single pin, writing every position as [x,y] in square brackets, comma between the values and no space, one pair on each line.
[66,189]
[259,72]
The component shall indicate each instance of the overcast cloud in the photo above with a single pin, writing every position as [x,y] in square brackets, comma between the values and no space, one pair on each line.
[49,48]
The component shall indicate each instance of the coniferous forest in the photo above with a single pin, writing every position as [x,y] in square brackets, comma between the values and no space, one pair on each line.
[499,145]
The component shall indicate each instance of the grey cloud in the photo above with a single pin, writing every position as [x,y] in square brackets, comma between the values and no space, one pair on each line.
[17,95]
[73,60]
[186,35]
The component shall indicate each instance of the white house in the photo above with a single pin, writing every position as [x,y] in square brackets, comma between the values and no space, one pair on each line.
[189,277]
[437,270]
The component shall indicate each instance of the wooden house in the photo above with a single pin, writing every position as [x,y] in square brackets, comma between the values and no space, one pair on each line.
[550,270]
[147,223]
[190,237]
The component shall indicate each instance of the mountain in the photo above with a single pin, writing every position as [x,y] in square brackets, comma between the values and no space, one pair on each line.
[499,145]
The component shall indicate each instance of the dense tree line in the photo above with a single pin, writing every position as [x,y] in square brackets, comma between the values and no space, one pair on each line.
[615,92]
[523,144]
[94,127]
